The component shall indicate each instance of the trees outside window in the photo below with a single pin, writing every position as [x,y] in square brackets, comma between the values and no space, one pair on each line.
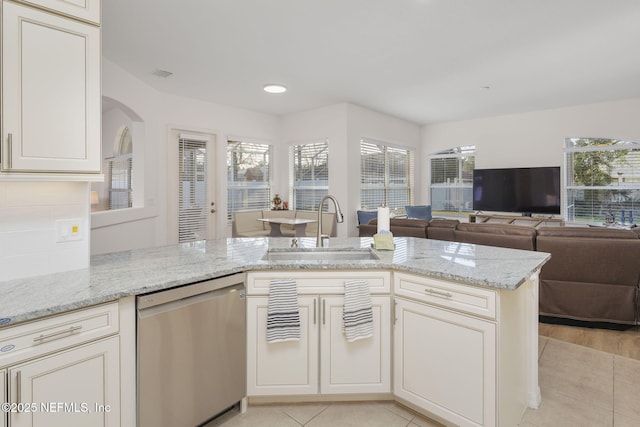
[602,177]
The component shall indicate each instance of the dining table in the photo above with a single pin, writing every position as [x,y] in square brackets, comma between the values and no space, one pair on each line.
[299,225]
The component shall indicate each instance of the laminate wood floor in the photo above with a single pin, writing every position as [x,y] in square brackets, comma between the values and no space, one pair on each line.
[621,343]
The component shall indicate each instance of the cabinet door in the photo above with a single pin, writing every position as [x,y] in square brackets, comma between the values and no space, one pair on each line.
[445,362]
[88,10]
[50,92]
[362,366]
[282,368]
[78,387]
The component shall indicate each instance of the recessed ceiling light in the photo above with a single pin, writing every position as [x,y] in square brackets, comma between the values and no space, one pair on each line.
[274,88]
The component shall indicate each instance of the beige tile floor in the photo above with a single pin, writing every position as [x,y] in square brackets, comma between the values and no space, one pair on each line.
[585,384]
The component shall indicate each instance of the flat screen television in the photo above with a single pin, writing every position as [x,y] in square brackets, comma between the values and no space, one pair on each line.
[525,190]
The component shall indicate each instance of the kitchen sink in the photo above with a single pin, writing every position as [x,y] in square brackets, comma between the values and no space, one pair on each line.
[320,254]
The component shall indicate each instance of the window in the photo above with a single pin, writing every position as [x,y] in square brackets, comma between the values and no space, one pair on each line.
[451,183]
[248,176]
[386,176]
[119,169]
[308,174]
[602,177]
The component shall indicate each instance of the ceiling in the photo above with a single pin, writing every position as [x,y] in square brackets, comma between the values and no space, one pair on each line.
[424,61]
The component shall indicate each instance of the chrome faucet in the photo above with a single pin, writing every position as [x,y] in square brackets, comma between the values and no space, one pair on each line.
[339,218]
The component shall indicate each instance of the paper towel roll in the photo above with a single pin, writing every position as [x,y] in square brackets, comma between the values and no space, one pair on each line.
[383,219]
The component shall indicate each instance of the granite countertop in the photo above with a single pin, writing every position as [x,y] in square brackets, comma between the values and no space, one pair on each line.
[121,274]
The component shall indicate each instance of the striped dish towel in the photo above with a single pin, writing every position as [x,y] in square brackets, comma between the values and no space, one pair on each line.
[357,316]
[283,316]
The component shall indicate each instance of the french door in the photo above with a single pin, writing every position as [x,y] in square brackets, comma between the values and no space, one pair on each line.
[192,202]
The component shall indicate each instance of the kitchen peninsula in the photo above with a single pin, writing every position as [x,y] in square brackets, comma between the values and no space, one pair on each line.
[484,298]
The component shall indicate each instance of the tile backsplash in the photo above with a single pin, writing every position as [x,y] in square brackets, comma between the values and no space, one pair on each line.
[29,212]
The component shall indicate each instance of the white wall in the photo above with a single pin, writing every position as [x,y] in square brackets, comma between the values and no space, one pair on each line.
[343,125]
[161,112]
[536,138]
[28,232]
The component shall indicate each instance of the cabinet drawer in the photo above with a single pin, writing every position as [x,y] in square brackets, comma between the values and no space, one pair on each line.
[33,339]
[318,282]
[463,298]
[87,10]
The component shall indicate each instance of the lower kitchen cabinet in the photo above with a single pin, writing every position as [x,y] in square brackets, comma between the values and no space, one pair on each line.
[445,363]
[293,367]
[77,387]
[322,361]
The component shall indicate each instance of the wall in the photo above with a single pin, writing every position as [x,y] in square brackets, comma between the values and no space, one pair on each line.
[148,226]
[28,215]
[536,138]
[343,125]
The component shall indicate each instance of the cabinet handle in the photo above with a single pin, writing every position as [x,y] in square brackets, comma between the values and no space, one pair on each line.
[438,293]
[395,311]
[57,335]
[323,310]
[18,386]
[314,311]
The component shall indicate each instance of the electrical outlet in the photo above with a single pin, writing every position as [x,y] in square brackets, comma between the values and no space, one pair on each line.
[69,230]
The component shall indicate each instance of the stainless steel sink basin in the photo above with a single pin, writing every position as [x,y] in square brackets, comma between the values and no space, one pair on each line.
[320,254]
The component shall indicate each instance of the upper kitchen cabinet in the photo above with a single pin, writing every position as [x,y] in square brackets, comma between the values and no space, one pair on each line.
[51,102]
[87,10]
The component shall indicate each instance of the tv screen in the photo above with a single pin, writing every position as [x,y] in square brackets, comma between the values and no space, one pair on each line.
[526,190]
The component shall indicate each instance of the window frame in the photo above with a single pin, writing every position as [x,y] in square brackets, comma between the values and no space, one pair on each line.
[321,149]
[458,186]
[396,204]
[630,183]
[251,203]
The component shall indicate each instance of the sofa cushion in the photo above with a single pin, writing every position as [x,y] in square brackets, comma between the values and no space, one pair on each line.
[501,235]
[400,227]
[365,216]
[442,229]
[419,212]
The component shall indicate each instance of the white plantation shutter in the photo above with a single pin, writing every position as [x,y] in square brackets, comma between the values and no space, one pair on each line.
[192,209]
[386,176]
[309,174]
[248,176]
[602,176]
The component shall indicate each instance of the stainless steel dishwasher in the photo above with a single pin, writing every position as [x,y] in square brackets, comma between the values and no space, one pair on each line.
[191,352]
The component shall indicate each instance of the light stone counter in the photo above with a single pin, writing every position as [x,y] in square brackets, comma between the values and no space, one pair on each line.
[121,274]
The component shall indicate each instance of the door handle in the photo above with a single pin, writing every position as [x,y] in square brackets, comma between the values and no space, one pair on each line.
[18,386]
[323,311]
[314,311]
[9,150]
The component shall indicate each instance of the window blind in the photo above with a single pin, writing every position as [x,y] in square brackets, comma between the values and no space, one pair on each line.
[602,177]
[248,176]
[119,179]
[309,174]
[386,176]
[192,192]
[451,180]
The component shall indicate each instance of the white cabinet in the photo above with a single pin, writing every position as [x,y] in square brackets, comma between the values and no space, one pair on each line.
[51,98]
[65,370]
[87,10]
[79,386]
[283,368]
[322,361]
[445,362]
[465,353]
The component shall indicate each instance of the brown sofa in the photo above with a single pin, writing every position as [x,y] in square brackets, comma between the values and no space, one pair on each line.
[400,227]
[593,274]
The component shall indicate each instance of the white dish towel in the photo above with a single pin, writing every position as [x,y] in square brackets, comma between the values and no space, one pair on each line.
[357,316]
[283,314]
